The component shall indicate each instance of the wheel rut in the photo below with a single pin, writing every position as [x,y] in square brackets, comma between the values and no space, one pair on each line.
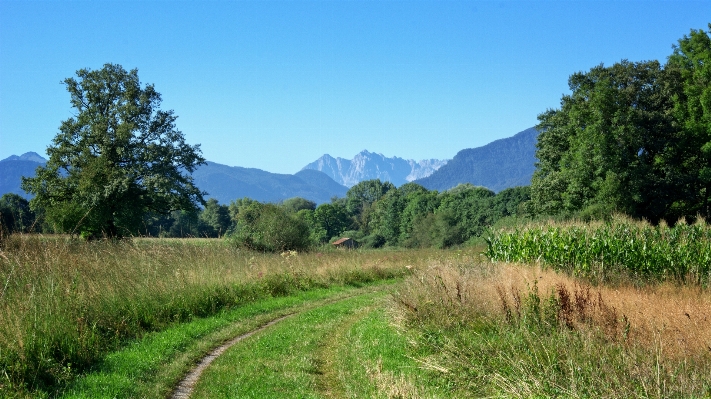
[187,384]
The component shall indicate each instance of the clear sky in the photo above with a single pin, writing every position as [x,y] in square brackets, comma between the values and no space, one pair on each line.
[276,84]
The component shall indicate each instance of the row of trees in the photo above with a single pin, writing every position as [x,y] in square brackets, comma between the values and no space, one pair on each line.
[634,137]
[377,214]
[374,213]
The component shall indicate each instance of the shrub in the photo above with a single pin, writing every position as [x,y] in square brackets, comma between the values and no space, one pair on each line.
[269,228]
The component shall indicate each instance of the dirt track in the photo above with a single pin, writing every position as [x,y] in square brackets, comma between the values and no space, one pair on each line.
[186,386]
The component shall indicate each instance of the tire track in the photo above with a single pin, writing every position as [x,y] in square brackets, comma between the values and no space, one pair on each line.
[186,386]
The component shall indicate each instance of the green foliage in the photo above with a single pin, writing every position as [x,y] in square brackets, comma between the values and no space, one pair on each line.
[215,218]
[269,228]
[332,219]
[608,143]
[296,204]
[118,159]
[599,251]
[437,230]
[691,65]
[362,196]
[16,215]
[633,138]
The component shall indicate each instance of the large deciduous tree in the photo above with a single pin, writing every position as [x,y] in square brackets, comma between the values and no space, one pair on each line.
[117,159]
[633,137]
[609,143]
[691,62]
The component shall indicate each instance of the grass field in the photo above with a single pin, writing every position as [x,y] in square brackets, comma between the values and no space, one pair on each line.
[65,303]
[512,330]
[98,319]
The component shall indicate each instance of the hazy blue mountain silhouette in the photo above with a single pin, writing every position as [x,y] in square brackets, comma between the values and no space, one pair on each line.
[14,167]
[227,183]
[498,165]
[222,182]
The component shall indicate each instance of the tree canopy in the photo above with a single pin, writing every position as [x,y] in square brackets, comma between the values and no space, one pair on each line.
[634,137]
[117,160]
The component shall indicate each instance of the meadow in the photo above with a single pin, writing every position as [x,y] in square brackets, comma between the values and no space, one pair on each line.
[451,323]
[65,303]
[512,330]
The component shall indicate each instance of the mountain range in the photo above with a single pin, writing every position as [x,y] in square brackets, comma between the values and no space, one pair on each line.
[227,183]
[368,165]
[14,167]
[222,182]
[498,165]
[501,164]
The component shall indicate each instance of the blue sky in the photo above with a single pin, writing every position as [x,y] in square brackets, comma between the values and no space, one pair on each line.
[276,84]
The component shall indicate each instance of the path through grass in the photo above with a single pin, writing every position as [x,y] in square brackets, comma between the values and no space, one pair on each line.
[346,349]
[151,367]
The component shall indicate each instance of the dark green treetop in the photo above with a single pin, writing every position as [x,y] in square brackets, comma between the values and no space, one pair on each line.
[119,158]
[691,62]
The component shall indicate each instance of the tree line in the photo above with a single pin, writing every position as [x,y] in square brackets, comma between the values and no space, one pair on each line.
[373,213]
[633,138]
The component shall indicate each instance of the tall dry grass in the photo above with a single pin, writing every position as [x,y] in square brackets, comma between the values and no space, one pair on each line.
[522,331]
[64,303]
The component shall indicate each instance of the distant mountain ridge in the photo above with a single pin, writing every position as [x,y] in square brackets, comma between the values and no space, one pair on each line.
[501,164]
[28,156]
[13,168]
[228,183]
[368,165]
[498,165]
[222,182]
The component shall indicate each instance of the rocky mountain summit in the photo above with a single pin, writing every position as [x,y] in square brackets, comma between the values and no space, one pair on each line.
[368,165]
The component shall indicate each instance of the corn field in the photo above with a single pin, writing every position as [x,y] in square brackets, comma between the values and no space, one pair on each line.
[681,253]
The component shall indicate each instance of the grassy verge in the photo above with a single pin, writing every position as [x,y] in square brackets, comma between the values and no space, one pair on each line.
[370,357]
[345,349]
[152,366]
[65,304]
[500,330]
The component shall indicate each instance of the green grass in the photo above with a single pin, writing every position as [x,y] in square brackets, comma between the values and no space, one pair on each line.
[128,319]
[372,357]
[345,349]
[65,304]
[152,366]
[279,362]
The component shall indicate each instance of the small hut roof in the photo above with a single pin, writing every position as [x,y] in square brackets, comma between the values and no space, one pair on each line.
[341,241]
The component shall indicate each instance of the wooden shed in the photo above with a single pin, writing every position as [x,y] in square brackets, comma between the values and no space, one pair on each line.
[345,242]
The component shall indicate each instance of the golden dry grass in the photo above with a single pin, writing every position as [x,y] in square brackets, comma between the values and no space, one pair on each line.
[622,341]
[672,318]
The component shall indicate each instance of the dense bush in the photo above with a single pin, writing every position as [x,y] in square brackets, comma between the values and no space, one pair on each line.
[269,228]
